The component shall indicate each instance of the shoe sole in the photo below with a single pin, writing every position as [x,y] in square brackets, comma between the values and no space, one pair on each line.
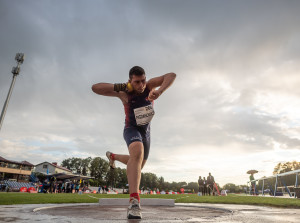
[133,217]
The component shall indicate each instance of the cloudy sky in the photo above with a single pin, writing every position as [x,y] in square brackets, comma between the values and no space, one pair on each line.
[233,107]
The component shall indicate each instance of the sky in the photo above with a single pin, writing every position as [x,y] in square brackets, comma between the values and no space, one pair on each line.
[234,105]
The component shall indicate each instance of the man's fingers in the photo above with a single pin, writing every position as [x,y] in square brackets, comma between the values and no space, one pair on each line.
[153,95]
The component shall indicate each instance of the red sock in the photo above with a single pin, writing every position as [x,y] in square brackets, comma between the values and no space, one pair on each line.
[112,156]
[135,195]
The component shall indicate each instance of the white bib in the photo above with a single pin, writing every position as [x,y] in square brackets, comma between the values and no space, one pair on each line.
[144,115]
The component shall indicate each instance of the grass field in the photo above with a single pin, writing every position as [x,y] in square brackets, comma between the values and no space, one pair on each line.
[27,198]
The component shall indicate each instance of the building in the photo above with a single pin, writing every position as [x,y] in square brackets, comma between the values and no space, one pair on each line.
[14,170]
[51,168]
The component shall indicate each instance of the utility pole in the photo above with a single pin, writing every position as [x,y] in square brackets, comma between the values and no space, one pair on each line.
[15,71]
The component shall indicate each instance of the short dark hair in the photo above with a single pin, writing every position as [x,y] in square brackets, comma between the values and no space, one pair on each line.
[136,70]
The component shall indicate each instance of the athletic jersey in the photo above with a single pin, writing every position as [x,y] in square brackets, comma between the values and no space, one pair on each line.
[139,110]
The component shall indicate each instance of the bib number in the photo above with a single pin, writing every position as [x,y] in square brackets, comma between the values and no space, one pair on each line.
[144,115]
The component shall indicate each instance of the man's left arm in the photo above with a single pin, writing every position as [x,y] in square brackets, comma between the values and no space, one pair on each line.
[163,82]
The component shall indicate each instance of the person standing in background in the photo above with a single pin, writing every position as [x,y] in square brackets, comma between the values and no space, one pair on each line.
[210,184]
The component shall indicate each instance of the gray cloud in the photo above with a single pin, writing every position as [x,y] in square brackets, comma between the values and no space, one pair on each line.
[229,56]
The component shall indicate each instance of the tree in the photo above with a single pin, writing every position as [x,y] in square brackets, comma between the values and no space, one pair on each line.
[283,168]
[149,181]
[174,186]
[77,165]
[286,167]
[66,163]
[111,177]
[86,166]
[161,183]
[242,188]
[232,188]
[121,180]
[166,186]
[99,169]
[192,186]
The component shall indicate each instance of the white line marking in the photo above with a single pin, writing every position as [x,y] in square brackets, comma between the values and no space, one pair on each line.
[181,197]
[93,197]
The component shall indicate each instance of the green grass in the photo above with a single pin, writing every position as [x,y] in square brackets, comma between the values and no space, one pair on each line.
[26,198]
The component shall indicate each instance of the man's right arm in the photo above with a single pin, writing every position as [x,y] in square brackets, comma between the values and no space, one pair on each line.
[105,89]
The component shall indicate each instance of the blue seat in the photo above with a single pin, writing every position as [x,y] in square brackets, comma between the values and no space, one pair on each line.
[17,185]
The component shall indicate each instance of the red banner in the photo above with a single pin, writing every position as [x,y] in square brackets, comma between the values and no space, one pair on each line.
[23,189]
[31,189]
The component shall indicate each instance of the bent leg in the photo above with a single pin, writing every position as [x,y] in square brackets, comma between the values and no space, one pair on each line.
[134,166]
[122,158]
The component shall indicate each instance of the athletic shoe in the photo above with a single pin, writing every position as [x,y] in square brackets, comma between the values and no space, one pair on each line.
[134,209]
[111,161]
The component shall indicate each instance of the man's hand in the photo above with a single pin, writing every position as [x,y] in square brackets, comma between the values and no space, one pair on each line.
[154,94]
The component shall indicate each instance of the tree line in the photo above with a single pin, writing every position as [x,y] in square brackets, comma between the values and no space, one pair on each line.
[103,175]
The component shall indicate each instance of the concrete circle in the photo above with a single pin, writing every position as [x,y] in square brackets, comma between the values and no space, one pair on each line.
[153,213]
[182,212]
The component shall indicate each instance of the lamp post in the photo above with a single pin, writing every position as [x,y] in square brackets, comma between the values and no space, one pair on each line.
[15,71]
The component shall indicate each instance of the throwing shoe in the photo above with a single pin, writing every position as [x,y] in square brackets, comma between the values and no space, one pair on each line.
[134,209]
[111,161]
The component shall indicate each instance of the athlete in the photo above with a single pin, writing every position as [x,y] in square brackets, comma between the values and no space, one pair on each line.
[137,96]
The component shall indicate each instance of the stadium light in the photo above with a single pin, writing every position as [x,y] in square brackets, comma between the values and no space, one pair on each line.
[15,71]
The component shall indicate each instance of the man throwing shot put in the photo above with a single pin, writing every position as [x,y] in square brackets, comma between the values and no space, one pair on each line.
[137,96]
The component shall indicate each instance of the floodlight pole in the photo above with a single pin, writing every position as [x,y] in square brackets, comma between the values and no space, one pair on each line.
[15,71]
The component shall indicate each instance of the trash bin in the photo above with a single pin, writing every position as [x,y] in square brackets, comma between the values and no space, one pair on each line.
[297,191]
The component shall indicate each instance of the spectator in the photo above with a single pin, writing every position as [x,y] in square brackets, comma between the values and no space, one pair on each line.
[46,186]
[55,188]
[59,187]
[204,186]
[72,187]
[210,184]
[201,185]
[52,181]
[68,187]
[63,187]
[77,188]
[253,185]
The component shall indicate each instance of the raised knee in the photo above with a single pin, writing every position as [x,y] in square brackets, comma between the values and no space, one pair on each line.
[136,151]
[137,155]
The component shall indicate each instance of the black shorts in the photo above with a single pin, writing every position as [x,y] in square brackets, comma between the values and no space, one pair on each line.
[138,134]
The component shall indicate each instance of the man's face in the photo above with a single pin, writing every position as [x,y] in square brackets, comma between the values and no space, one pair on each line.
[138,83]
